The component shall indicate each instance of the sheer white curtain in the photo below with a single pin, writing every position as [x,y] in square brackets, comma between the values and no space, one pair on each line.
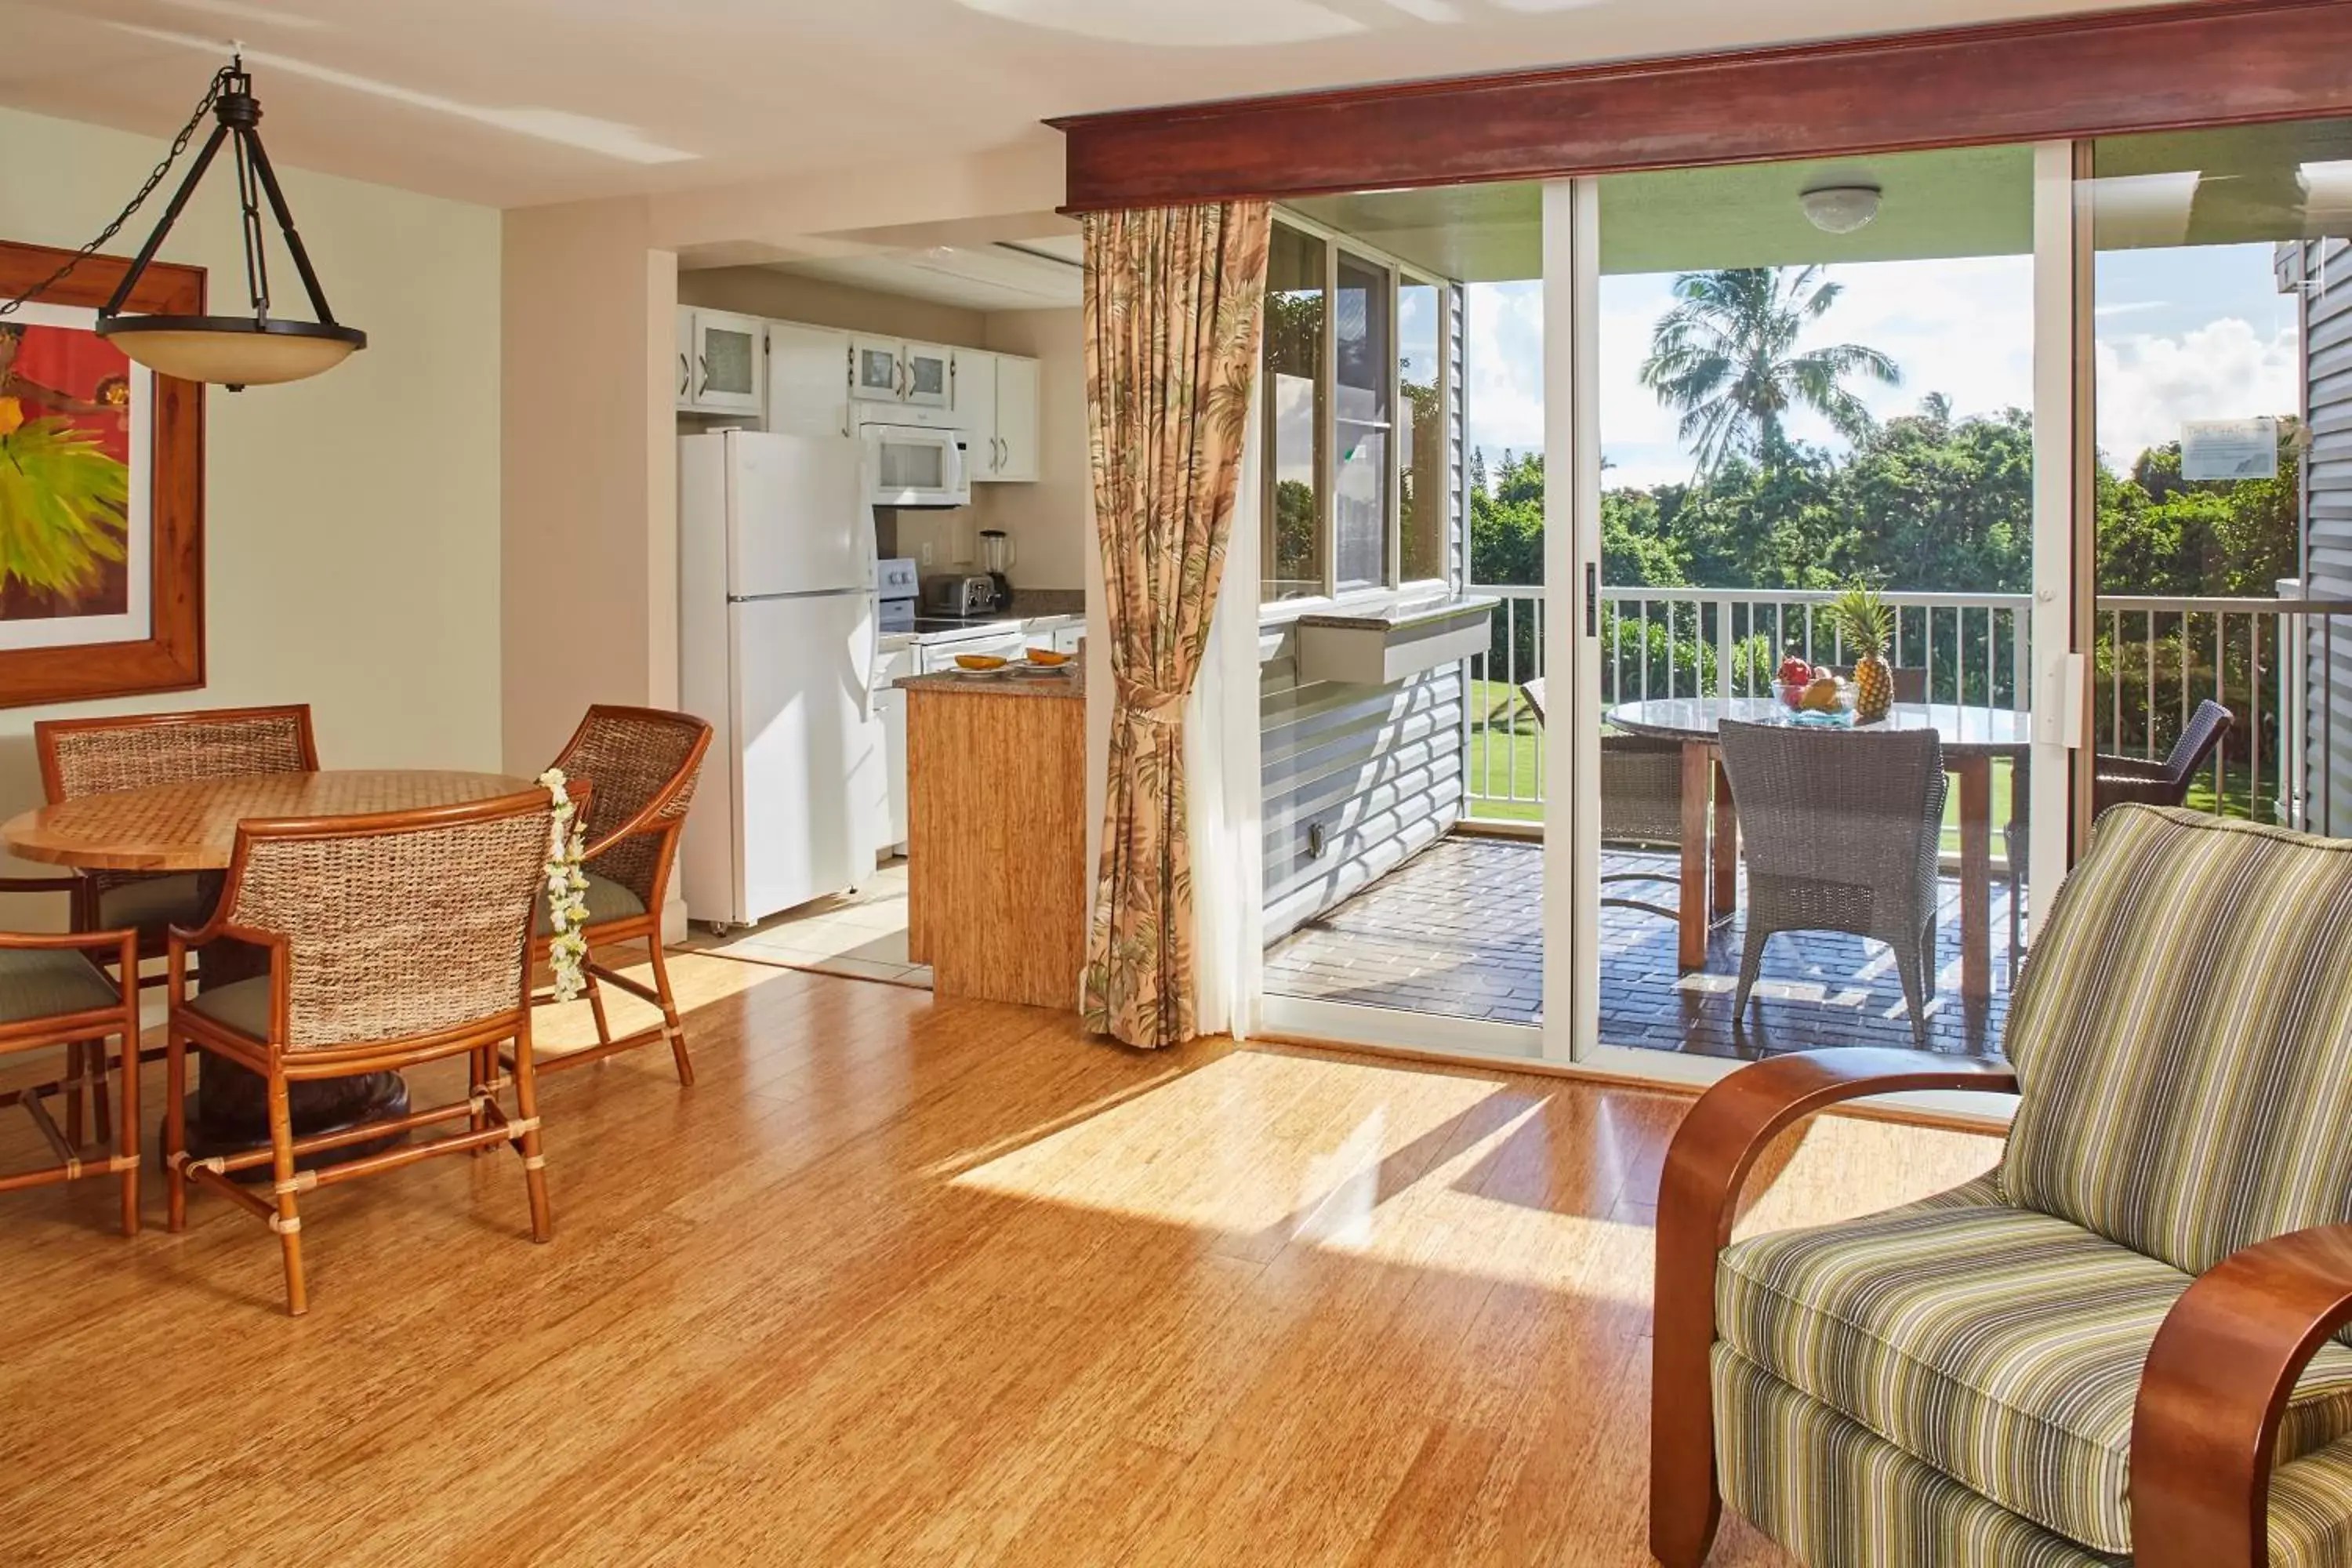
[1221,759]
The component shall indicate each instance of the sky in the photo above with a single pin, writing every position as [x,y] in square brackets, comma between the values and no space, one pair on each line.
[2189,333]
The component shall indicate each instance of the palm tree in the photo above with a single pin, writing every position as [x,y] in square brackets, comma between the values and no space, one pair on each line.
[1725,356]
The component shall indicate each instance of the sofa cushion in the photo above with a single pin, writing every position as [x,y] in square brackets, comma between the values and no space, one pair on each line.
[2182,1034]
[606,900]
[2000,1346]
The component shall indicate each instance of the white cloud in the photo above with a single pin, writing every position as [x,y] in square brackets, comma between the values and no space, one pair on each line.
[2223,370]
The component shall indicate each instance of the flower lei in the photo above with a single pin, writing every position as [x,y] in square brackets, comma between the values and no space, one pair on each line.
[567,909]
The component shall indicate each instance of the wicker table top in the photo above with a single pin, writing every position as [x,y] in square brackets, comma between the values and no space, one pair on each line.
[1963,728]
[192,826]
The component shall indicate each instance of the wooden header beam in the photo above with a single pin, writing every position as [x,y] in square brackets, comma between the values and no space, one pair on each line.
[2203,62]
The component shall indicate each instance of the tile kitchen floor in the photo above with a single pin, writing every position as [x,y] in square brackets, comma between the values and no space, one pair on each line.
[861,935]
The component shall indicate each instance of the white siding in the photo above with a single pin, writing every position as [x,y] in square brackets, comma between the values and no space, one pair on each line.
[2327,264]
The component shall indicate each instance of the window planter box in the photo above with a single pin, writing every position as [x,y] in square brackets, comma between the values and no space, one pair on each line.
[1380,648]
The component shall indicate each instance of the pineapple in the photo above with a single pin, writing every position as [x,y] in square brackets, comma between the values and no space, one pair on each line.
[1866,626]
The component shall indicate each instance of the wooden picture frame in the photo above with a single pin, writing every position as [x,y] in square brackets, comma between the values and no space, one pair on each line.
[171,656]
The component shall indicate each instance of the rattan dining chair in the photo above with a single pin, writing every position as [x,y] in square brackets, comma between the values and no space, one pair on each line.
[132,751]
[1842,831]
[393,939]
[52,994]
[641,765]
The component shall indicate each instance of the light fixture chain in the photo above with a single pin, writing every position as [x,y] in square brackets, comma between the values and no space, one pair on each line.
[156,178]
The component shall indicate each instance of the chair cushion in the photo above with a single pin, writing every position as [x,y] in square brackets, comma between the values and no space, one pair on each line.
[2000,1346]
[2182,1034]
[606,900]
[47,983]
[243,1005]
[1837,1495]
[146,904]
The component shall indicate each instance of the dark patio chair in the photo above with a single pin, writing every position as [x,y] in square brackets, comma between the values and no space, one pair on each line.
[1841,830]
[1641,803]
[2117,779]
[2149,783]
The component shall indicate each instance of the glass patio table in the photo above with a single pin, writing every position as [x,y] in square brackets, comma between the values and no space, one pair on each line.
[1972,736]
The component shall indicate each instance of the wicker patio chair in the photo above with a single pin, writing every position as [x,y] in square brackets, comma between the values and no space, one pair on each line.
[1641,802]
[1842,831]
[52,994]
[1641,808]
[641,764]
[2148,782]
[393,939]
[93,756]
[2117,779]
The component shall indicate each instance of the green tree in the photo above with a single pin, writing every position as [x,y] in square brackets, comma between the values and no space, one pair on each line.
[1725,358]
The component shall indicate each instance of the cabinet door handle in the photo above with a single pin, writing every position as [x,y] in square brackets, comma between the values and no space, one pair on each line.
[702,364]
[685,374]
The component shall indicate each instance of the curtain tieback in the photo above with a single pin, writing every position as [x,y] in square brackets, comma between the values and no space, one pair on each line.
[1151,706]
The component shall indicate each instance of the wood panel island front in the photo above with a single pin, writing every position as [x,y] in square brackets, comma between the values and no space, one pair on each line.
[996,835]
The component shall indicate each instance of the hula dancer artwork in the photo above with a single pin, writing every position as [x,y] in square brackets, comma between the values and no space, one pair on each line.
[67,511]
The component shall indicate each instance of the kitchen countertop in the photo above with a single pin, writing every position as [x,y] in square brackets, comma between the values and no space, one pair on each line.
[1071,685]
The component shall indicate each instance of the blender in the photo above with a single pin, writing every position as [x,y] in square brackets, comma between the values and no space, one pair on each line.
[995,559]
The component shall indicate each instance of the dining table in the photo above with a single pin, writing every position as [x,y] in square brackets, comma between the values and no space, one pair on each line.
[192,826]
[1971,736]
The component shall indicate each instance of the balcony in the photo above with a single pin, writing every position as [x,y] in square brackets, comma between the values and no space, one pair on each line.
[1457,929]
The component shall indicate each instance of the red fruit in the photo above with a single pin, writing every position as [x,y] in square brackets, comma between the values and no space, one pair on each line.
[1795,671]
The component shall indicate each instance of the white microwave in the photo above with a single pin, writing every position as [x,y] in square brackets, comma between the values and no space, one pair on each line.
[912,465]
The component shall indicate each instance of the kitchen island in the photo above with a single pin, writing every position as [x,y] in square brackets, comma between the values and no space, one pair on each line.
[997,833]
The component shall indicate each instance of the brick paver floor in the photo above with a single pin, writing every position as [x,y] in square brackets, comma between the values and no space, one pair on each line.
[1458,929]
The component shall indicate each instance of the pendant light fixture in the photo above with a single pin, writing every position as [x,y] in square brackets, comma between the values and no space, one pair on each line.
[235,351]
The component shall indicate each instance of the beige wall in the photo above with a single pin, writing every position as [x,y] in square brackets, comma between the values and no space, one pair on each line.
[352,523]
[590,480]
[1047,520]
[780,297]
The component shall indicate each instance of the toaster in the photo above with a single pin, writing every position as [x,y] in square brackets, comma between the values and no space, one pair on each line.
[973,594]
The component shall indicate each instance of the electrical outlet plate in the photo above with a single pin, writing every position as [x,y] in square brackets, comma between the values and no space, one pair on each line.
[926,552]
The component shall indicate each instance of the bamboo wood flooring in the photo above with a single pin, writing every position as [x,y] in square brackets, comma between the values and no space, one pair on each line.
[901,1280]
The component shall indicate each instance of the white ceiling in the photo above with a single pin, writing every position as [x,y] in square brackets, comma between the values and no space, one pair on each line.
[514,102]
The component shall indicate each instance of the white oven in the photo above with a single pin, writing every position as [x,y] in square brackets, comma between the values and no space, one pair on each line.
[914,466]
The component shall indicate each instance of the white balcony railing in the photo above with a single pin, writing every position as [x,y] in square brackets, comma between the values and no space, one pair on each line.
[2154,659]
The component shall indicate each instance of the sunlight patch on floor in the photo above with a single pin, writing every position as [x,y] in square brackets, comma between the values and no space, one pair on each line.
[1355,1159]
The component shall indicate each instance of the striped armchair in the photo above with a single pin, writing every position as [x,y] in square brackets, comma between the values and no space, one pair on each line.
[2123,1344]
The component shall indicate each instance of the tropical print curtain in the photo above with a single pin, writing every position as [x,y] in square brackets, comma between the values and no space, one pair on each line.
[1173,301]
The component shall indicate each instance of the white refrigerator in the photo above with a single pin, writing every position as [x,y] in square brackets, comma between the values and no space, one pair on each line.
[778,649]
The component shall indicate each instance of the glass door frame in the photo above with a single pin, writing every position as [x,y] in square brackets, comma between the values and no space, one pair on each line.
[2063,518]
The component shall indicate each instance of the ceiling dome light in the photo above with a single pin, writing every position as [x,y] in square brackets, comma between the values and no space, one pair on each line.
[1840,208]
[235,351]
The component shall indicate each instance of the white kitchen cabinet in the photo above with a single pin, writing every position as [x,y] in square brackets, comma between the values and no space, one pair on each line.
[975,408]
[808,380]
[892,370]
[996,404]
[723,361]
[1016,418]
[930,376]
[876,374]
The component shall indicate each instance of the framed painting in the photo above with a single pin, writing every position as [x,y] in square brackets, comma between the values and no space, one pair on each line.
[101,491]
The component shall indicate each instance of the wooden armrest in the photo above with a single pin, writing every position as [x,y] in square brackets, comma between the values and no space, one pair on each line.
[2217,1382]
[1698,1196]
